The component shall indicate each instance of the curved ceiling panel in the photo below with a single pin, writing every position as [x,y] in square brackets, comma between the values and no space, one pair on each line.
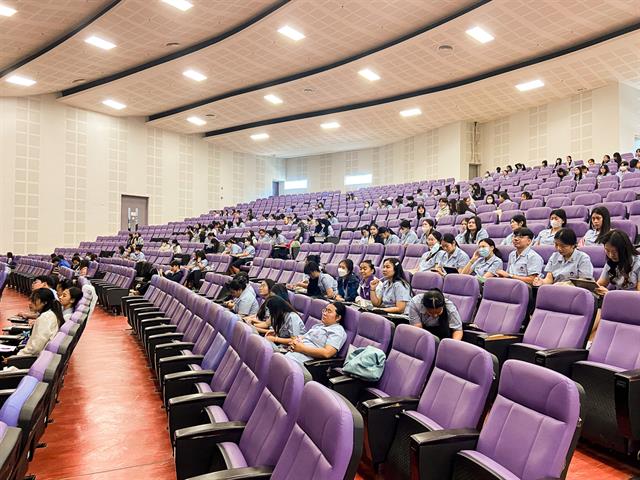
[418,63]
[141,29]
[615,60]
[334,30]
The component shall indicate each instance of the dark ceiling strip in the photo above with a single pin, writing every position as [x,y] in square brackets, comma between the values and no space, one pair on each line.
[85,23]
[437,88]
[320,69]
[180,53]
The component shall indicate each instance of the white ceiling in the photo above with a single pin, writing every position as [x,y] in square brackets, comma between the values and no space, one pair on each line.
[334,31]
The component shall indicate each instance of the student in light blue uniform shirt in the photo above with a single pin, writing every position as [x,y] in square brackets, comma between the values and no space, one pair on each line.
[557,220]
[407,236]
[429,258]
[462,229]
[388,236]
[244,299]
[623,264]
[485,262]
[567,262]
[524,264]
[324,283]
[436,314]
[516,222]
[323,340]
[393,292]
[286,324]
[450,255]
[599,226]
[277,238]
[474,232]
[232,248]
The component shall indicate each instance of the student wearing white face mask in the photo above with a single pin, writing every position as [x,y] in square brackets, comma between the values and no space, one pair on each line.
[485,262]
[347,282]
[427,226]
[557,221]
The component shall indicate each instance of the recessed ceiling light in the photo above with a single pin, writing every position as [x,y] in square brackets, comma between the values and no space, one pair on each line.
[79,80]
[480,34]
[179,4]
[273,99]
[292,33]
[523,87]
[411,112]
[259,136]
[196,121]
[193,75]
[113,104]
[23,81]
[330,125]
[7,11]
[210,115]
[100,43]
[172,44]
[369,74]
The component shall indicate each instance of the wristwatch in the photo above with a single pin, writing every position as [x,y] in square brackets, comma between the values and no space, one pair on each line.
[511,275]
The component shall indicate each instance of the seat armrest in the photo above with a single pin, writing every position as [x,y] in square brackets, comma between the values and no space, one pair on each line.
[169,348]
[194,446]
[11,379]
[497,343]
[17,329]
[348,387]
[21,361]
[245,473]
[627,398]
[561,359]
[182,383]
[11,339]
[153,322]
[177,363]
[4,394]
[432,453]
[395,404]
[188,410]
[318,368]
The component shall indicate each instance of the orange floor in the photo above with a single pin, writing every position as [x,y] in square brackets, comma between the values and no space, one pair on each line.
[109,424]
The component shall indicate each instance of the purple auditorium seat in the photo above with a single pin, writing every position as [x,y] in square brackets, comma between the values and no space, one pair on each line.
[625,196]
[501,310]
[558,202]
[260,443]
[587,199]
[562,319]
[375,253]
[469,248]
[485,208]
[507,215]
[497,231]
[406,369]
[303,252]
[463,291]
[454,398]
[579,227]
[356,253]
[528,204]
[578,213]
[395,251]
[616,209]
[298,273]
[423,281]
[256,267]
[447,220]
[412,256]
[326,253]
[302,304]
[530,432]
[13,462]
[237,404]
[627,226]
[538,214]
[632,184]
[545,251]
[608,371]
[288,269]
[488,218]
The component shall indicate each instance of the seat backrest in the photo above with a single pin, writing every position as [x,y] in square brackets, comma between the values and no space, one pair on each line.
[373,330]
[458,387]
[270,424]
[326,441]
[423,281]
[314,312]
[503,305]
[562,318]
[231,361]
[537,213]
[12,407]
[224,327]
[617,340]
[532,421]
[412,256]
[463,291]
[408,363]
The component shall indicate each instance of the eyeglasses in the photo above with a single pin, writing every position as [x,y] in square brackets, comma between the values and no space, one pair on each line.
[328,310]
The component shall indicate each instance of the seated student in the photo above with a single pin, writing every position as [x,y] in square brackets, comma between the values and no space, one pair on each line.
[243,298]
[323,229]
[525,196]
[285,323]
[435,313]
[407,235]
[320,284]
[364,236]
[231,248]
[599,226]
[367,273]
[393,292]
[422,214]
[196,266]
[374,234]
[428,258]
[557,220]
[622,269]
[323,340]
[603,172]
[175,247]
[137,255]
[443,208]
[145,270]
[477,192]
[49,320]
[516,222]
[62,285]
[388,236]
[524,263]
[83,268]
[490,199]
[566,262]
[266,289]
[426,227]
[277,238]
[68,301]
[165,247]
[474,232]
[212,244]
[347,282]
[485,262]
[623,170]
[263,237]
[462,229]
[175,273]
[450,255]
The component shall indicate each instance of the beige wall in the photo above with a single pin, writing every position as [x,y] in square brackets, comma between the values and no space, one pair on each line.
[64,170]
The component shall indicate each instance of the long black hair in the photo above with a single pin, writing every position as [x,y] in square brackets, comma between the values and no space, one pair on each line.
[278,310]
[432,299]
[49,302]
[468,236]
[626,254]
[606,222]
[398,272]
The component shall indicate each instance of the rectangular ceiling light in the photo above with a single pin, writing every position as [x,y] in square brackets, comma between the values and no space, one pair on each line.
[412,112]
[259,136]
[196,121]
[7,11]
[113,104]
[100,43]
[179,4]
[533,84]
[18,80]
[296,184]
[365,179]
[480,35]
[330,125]
[292,33]
[194,75]
[273,99]
[369,74]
